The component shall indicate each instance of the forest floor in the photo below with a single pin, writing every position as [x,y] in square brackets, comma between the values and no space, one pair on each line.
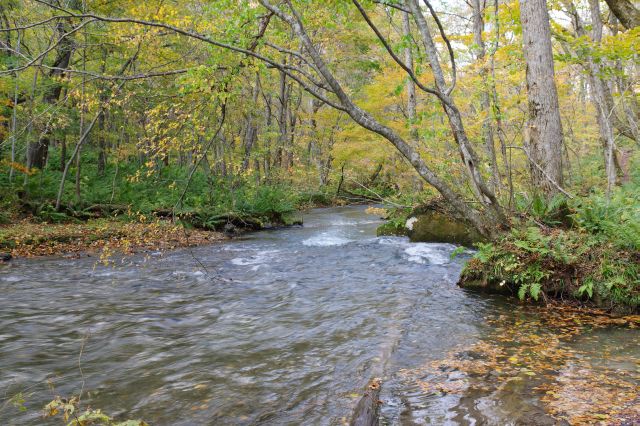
[99,237]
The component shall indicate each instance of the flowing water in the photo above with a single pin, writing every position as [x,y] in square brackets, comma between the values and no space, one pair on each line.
[287,327]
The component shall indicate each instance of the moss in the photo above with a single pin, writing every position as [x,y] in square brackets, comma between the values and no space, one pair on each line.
[391,229]
[433,226]
[433,221]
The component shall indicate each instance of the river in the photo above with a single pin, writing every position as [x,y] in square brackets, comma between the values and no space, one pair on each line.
[287,327]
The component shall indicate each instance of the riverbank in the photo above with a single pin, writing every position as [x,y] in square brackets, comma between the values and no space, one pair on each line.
[32,226]
[100,236]
[129,233]
[568,265]
[584,252]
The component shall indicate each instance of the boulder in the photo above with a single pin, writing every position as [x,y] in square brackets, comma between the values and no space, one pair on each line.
[437,223]
[435,227]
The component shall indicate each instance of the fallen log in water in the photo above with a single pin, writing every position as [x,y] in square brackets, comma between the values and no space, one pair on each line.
[366,412]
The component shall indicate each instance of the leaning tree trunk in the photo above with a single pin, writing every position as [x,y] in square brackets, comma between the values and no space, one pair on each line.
[626,12]
[544,137]
[489,221]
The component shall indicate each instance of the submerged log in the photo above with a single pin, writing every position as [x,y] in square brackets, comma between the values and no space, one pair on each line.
[366,412]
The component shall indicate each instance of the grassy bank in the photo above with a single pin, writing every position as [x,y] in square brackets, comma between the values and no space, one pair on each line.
[126,211]
[583,251]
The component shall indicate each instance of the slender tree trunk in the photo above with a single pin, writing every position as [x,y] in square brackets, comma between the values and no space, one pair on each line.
[267,140]
[283,104]
[485,104]
[63,153]
[251,135]
[606,129]
[292,118]
[76,151]
[544,132]
[411,96]
[14,114]
[411,86]
[102,142]
[39,150]
[495,102]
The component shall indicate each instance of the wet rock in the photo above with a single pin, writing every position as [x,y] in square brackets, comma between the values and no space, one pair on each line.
[5,257]
[436,222]
[230,229]
[439,228]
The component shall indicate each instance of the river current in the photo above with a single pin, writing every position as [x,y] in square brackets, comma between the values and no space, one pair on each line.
[279,327]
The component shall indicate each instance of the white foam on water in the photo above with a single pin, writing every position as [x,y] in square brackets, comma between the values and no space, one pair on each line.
[326,240]
[427,253]
[259,258]
[393,241]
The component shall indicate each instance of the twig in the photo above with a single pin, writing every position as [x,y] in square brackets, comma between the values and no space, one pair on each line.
[84,342]
[537,166]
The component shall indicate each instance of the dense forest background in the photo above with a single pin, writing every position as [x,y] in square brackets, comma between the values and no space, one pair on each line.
[257,107]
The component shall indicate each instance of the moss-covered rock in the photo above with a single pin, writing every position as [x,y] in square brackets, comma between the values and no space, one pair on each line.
[437,222]
[432,222]
[434,226]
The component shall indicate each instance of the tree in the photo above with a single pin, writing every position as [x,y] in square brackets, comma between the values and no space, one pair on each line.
[626,12]
[544,137]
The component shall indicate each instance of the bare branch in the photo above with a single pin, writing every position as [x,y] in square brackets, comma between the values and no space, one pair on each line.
[395,57]
[394,6]
[449,47]
[188,33]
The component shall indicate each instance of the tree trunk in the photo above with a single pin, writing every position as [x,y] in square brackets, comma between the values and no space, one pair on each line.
[283,104]
[38,151]
[485,104]
[626,12]
[251,135]
[411,86]
[14,109]
[102,143]
[544,135]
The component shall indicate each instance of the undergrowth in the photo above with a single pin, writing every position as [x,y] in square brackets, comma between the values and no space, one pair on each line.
[129,192]
[587,249]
